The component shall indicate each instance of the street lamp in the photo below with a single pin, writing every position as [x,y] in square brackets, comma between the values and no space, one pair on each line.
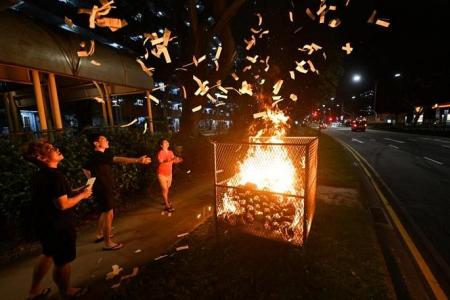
[353,97]
[356,78]
[397,75]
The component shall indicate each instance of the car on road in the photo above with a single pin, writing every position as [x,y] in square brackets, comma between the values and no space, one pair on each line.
[323,126]
[359,124]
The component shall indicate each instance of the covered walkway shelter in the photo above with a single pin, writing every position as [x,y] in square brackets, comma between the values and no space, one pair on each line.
[40,71]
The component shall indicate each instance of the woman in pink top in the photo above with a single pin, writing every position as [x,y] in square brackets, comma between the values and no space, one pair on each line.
[166,159]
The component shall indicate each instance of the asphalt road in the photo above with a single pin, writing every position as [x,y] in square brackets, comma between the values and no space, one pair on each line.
[417,170]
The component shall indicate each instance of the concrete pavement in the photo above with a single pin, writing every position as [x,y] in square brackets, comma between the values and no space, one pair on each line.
[145,231]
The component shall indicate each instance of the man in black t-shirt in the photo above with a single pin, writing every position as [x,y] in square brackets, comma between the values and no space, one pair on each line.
[100,167]
[52,202]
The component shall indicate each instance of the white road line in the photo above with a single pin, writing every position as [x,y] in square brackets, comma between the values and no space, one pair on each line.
[445,146]
[442,141]
[435,161]
[392,146]
[356,140]
[397,141]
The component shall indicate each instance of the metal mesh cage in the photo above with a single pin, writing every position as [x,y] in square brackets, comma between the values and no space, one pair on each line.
[267,188]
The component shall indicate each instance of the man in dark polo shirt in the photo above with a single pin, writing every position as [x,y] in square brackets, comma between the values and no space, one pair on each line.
[100,167]
[52,203]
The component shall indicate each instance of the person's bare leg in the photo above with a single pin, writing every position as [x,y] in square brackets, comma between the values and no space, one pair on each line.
[101,225]
[164,191]
[40,270]
[109,216]
[61,276]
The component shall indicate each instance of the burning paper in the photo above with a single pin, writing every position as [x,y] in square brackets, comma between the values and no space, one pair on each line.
[277,86]
[260,19]
[218,52]
[291,16]
[197,108]
[202,86]
[259,115]
[247,68]
[153,98]
[213,100]
[310,14]
[332,7]
[246,88]
[235,76]
[293,97]
[85,53]
[311,66]
[322,18]
[250,43]
[371,19]
[383,23]
[292,73]
[182,234]
[255,31]
[184,92]
[129,124]
[276,102]
[321,9]
[263,33]
[113,24]
[252,59]
[298,29]
[300,67]
[347,48]
[147,71]
[99,99]
[334,23]
[145,128]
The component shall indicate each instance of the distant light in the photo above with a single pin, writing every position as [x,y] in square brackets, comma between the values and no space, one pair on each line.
[296,122]
[397,75]
[337,105]
[161,31]
[356,78]
[323,105]
[160,13]
[332,98]
[353,97]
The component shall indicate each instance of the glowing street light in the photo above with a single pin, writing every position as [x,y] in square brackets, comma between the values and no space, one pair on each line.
[356,78]
[353,97]
[397,75]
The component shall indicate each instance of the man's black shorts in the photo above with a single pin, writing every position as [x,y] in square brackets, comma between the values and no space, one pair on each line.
[105,201]
[60,245]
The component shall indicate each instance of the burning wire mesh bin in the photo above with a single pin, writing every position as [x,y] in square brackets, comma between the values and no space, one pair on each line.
[267,188]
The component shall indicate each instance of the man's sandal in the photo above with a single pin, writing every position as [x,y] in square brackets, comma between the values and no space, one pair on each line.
[42,295]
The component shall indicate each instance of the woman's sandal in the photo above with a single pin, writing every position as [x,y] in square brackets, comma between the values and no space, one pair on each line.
[115,247]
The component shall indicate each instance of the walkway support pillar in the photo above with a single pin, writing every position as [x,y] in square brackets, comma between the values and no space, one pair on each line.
[54,101]
[39,99]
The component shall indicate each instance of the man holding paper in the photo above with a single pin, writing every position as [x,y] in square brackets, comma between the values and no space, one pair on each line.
[52,202]
[100,167]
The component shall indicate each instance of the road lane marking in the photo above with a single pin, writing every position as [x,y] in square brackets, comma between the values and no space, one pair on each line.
[435,161]
[356,140]
[445,146]
[397,141]
[392,146]
[442,141]
[423,266]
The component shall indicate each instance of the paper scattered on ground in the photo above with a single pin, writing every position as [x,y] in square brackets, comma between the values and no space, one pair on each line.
[138,251]
[182,234]
[95,63]
[115,271]
[161,257]
[182,248]
[293,97]
[382,23]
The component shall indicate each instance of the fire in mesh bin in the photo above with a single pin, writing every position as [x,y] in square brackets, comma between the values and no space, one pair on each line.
[267,188]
